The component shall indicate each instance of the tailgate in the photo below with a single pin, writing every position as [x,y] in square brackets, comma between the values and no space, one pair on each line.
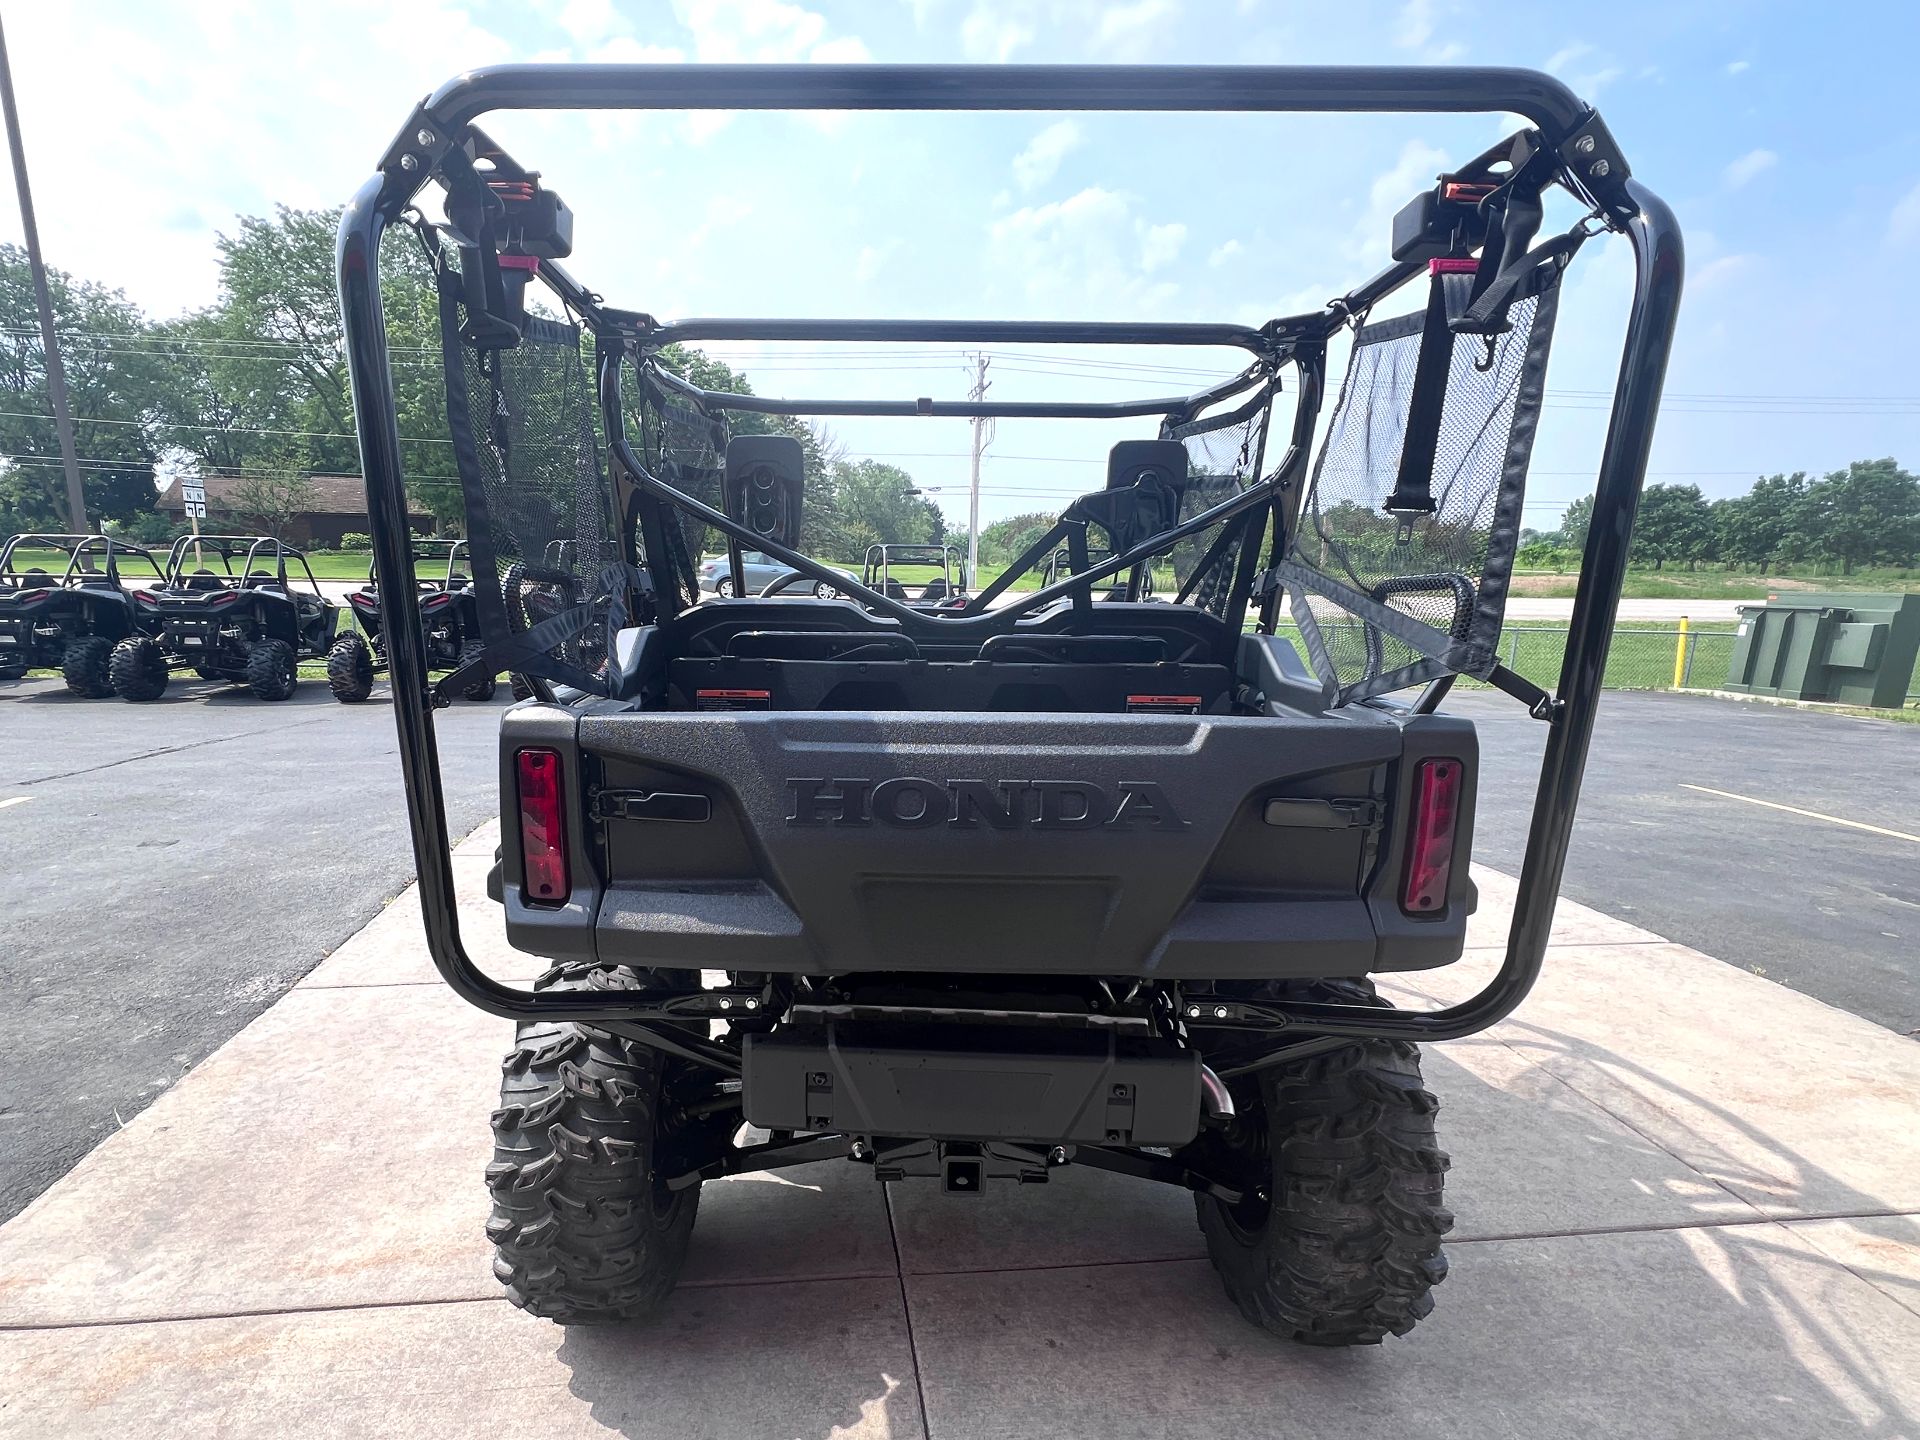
[1066,844]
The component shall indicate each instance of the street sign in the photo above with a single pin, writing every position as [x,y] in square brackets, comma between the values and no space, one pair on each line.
[196,509]
[193,492]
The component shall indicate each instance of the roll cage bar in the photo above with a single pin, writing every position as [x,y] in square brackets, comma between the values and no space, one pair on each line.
[79,548]
[228,546]
[1573,140]
[422,550]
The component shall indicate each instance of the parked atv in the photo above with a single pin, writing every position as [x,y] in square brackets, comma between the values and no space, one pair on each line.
[68,621]
[251,626]
[449,618]
[966,890]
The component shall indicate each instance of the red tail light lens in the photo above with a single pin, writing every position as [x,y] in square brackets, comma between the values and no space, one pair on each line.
[1436,811]
[543,828]
[218,601]
[146,597]
[32,597]
[434,602]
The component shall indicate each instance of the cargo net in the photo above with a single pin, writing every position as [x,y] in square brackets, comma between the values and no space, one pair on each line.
[1224,455]
[1387,600]
[539,525]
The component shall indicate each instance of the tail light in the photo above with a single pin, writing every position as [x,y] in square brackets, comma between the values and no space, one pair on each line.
[31,597]
[543,827]
[1436,813]
[146,597]
[435,602]
[220,601]
[363,599]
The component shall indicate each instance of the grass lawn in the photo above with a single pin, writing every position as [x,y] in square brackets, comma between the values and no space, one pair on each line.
[1715,584]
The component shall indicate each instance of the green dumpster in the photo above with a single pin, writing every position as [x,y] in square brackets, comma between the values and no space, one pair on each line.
[1848,649]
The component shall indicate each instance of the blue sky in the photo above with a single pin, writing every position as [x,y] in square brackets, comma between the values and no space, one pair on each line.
[1776,130]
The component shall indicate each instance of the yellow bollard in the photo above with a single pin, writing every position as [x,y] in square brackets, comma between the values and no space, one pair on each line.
[1680,656]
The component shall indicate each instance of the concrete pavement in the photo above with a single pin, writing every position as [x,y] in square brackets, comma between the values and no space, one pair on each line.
[172,869]
[1689,1204]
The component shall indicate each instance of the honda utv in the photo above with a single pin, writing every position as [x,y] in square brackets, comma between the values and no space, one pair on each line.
[967,895]
[447,611]
[250,626]
[71,621]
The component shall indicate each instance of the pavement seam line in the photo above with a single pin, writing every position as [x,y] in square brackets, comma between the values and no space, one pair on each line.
[169,750]
[8,1327]
[1847,1265]
[906,1312]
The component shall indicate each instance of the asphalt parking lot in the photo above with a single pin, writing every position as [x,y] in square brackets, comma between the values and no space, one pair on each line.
[1673,836]
[157,856]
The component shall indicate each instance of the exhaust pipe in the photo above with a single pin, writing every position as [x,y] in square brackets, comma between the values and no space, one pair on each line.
[1214,1096]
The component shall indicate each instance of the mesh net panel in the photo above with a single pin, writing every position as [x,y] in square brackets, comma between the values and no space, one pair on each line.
[685,445]
[1224,453]
[1384,600]
[539,522]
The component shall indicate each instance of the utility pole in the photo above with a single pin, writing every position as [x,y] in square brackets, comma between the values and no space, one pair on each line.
[56,376]
[982,437]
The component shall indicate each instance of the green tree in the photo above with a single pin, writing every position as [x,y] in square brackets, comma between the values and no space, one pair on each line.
[264,368]
[1574,524]
[876,499]
[112,381]
[1866,514]
[1003,541]
[271,499]
[1759,528]
[1675,523]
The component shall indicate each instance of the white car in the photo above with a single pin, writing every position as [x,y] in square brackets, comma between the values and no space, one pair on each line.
[758,571]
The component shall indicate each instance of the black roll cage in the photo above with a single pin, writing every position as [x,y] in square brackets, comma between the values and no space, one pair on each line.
[1574,142]
[79,548]
[228,546]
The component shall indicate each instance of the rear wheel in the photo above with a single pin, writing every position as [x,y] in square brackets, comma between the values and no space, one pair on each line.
[723,587]
[1338,1239]
[584,1229]
[84,667]
[350,669]
[483,688]
[272,669]
[137,669]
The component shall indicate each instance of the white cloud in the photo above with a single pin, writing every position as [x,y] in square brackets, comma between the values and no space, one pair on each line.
[1036,164]
[769,31]
[990,33]
[1224,252]
[1419,163]
[1582,68]
[1748,167]
[1413,26]
[1160,246]
[1903,225]
[1739,67]
[1130,32]
[1726,269]
[588,22]
[872,259]
[1088,253]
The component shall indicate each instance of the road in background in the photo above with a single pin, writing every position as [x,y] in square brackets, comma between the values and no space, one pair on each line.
[172,870]
[1823,906]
